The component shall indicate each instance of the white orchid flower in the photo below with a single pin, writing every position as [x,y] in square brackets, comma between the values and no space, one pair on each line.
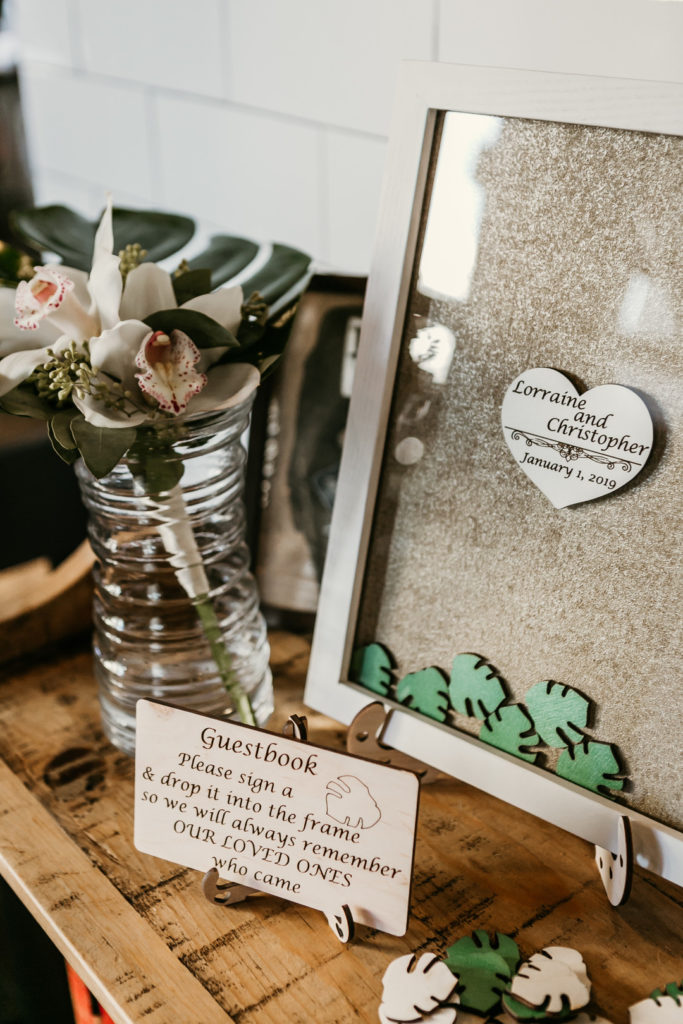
[61,302]
[54,305]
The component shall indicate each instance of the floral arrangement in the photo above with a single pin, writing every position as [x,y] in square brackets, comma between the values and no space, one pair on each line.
[117,361]
[99,356]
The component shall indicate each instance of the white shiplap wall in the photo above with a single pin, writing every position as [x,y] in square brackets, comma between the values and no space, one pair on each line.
[269,117]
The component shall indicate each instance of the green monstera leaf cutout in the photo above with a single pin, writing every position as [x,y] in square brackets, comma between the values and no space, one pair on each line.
[425,691]
[475,687]
[673,989]
[371,667]
[522,1012]
[593,765]
[484,967]
[560,713]
[510,728]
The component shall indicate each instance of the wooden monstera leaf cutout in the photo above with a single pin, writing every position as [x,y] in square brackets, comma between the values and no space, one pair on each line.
[416,989]
[553,982]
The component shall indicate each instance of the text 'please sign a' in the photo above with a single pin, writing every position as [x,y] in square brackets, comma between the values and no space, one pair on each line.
[312,825]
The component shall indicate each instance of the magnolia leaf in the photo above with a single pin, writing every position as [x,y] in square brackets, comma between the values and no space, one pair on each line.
[225,256]
[593,765]
[371,667]
[60,427]
[475,688]
[23,401]
[101,448]
[202,329]
[560,713]
[191,283]
[71,236]
[66,454]
[673,989]
[413,987]
[553,980]
[484,968]
[284,268]
[425,691]
[510,728]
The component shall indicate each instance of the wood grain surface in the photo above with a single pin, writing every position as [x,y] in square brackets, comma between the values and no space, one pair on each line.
[153,949]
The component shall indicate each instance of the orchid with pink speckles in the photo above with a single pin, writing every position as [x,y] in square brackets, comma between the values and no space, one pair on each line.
[115,351]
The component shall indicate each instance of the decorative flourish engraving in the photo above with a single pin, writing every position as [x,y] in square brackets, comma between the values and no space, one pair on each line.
[571,452]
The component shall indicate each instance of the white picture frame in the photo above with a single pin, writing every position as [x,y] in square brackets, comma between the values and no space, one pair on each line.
[425,90]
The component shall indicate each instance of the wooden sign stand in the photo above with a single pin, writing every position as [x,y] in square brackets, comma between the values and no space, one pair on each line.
[339,919]
[365,737]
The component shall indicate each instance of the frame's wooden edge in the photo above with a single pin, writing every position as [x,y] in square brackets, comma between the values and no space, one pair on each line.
[425,87]
[127,967]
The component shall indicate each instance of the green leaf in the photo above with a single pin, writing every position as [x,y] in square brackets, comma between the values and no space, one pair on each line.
[510,728]
[673,989]
[60,427]
[593,765]
[203,330]
[371,667]
[66,454]
[522,1012]
[225,257]
[23,401]
[13,262]
[560,713]
[160,233]
[484,967]
[61,230]
[285,267]
[425,691]
[475,687]
[190,284]
[153,464]
[101,448]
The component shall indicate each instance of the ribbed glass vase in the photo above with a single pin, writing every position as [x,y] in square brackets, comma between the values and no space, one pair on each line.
[176,609]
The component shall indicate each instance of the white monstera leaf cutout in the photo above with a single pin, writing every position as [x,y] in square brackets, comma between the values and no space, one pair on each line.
[416,988]
[442,1015]
[663,1009]
[551,979]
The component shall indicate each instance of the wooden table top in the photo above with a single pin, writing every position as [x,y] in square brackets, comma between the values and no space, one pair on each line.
[152,949]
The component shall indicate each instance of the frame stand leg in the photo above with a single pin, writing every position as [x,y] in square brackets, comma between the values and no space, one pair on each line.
[365,738]
[616,869]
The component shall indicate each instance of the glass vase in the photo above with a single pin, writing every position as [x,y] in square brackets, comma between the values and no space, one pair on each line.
[176,609]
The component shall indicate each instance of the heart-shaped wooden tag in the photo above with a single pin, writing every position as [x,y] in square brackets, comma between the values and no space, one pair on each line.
[575,447]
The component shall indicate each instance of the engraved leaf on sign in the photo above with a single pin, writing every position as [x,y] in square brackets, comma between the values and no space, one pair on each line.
[349,801]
